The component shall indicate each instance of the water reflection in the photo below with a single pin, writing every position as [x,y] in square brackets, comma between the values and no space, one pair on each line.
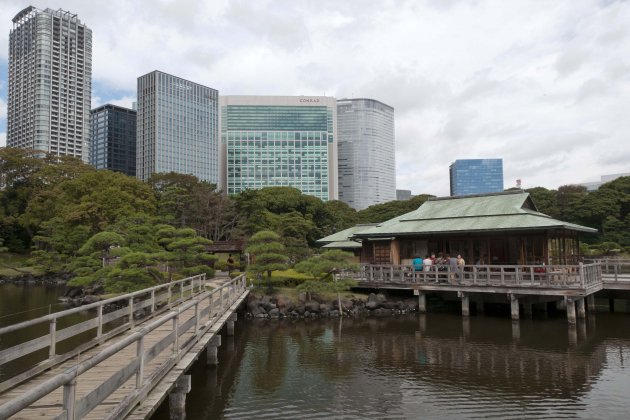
[435,365]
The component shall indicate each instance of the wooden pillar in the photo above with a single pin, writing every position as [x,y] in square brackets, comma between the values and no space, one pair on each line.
[422,324]
[581,308]
[212,358]
[230,324]
[516,330]
[466,327]
[590,303]
[570,311]
[422,302]
[177,398]
[465,304]
[514,309]
[573,336]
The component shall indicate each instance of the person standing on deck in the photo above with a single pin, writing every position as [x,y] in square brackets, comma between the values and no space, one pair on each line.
[427,263]
[417,263]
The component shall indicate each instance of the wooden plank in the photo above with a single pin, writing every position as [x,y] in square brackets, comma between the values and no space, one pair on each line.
[24,348]
[76,329]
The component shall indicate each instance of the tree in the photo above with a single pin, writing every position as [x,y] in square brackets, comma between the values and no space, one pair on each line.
[267,253]
[323,268]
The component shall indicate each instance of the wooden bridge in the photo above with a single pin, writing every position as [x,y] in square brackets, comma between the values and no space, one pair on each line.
[122,362]
[572,287]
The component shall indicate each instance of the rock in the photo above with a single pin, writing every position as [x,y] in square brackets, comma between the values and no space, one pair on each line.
[274,313]
[90,299]
[307,314]
[388,304]
[371,297]
[371,305]
[312,306]
[253,304]
[381,298]
[334,314]
[302,297]
[261,315]
[269,306]
[299,309]
[380,312]
[324,307]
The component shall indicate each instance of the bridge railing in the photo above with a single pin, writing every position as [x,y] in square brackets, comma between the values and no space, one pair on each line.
[106,318]
[616,269]
[217,301]
[578,276]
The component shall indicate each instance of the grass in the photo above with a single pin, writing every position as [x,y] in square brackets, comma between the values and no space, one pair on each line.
[16,265]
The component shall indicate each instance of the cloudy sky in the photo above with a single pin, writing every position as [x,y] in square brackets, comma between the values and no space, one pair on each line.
[545,85]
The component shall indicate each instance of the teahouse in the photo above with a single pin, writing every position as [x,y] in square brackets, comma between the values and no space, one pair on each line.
[503,228]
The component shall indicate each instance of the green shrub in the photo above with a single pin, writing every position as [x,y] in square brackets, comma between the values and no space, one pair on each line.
[284,278]
[220,265]
[198,269]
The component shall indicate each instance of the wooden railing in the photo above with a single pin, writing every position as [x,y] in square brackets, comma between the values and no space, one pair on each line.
[579,276]
[615,269]
[102,324]
[218,301]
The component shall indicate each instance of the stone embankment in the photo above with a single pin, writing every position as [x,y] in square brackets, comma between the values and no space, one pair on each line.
[31,279]
[318,307]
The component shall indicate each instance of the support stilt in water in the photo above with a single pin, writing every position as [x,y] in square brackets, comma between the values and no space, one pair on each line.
[212,358]
[465,304]
[570,311]
[514,309]
[230,324]
[422,302]
[590,303]
[177,398]
[516,330]
[581,308]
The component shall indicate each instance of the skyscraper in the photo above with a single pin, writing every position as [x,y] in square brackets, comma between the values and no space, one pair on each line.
[113,139]
[367,162]
[279,141]
[177,127]
[476,176]
[50,83]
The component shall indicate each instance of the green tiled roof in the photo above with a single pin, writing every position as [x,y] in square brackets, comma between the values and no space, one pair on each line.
[345,235]
[343,244]
[493,212]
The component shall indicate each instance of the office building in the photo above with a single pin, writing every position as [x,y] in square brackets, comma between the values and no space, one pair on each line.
[279,141]
[476,176]
[178,123]
[367,162]
[113,139]
[403,195]
[50,83]
[594,186]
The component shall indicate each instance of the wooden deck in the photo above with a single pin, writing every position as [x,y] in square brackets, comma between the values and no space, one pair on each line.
[141,365]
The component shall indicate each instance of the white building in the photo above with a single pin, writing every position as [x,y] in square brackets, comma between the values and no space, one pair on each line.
[50,83]
[367,161]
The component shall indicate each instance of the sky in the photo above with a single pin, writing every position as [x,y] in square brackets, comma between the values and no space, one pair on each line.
[544,85]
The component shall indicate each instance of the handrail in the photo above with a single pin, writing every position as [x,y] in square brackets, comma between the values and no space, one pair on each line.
[194,284]
[534,276]
[54,315]
[68,379]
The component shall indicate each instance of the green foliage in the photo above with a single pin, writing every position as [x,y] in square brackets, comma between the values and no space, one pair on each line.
[130,279]
[322,269]
[102,242]
[382,212]
[266,251]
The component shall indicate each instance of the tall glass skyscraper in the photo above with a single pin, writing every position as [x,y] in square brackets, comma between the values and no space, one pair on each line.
[178,128]
[113,138]
[50,83]
[476,176]
[279,141]
[367,161]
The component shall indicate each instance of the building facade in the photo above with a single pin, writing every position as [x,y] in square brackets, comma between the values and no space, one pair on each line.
[476,176]
[178,128]
[50,83]
[403,195]
[279,141]
[113,139]
[367,162]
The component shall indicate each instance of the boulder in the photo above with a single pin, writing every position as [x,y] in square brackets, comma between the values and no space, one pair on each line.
[274,313]
[324,307]
[312,306]
[371,305]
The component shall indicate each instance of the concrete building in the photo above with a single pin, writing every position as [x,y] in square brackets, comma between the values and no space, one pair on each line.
[279,141]
[50,83]
[402,195]
[113,139]
[476,176]
[367,161]
[594,186]
[178,128]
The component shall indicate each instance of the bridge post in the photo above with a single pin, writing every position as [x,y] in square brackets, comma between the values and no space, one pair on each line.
[131,312]
[152,300]
[99,327]
[140,356]
[465,303]
[177,398]
[212,358]
[422,301]
[581,308]
[514,307]
[170,294]
[69,393]
[53,338]
[590,303]
[230,324]
[570,310]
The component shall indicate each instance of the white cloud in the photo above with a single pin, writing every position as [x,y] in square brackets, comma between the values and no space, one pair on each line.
[545,87]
